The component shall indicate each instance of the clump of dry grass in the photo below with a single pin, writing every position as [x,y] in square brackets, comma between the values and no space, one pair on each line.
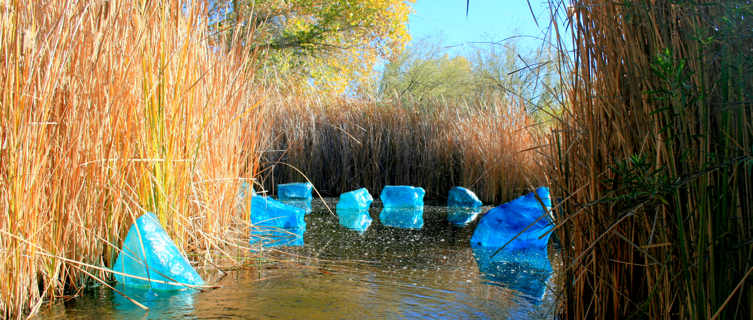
[110,109]
[654,161]
[347,144]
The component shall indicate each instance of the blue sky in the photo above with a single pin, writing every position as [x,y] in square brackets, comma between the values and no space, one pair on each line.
[487,20]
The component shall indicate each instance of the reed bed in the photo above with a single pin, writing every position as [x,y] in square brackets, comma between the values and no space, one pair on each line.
[348,144]
[110,109]
[654,162]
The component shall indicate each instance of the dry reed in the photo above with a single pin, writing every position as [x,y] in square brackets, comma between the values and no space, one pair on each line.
[347,144]
[110,109]
[654,161]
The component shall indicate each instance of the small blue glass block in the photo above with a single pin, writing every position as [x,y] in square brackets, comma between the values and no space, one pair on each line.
[355,200]
[402,197]
[462,198]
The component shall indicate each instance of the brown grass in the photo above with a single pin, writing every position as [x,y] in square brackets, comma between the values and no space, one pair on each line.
[654,160]
[110,109]
[348,144]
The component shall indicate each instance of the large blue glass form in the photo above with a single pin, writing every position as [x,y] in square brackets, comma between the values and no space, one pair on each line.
[404,218]
[358,220]
[297,194]
[149,253]
[275,223]
[269,212]
[462,198]
[503,223]
[525,271]
[402,197]
[462,216]
[355,200]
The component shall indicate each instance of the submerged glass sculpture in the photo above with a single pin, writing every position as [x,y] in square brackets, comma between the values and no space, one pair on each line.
[275,223]
[297,194]
[402,197]
[404,218]
[355,200]
[525,271]
[358,220]
[462,198]
[510,244]
[509,220]
[462,216]
[149,253]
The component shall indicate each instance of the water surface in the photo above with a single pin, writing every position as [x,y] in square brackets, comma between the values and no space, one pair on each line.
[426,272]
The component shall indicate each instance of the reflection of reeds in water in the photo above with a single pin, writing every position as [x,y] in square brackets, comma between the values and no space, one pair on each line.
[655,161]
[346,145]
[109,110]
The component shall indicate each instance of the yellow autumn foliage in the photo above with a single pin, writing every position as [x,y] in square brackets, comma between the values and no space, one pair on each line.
[319,45]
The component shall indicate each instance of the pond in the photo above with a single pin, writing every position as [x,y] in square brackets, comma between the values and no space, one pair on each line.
[381,273]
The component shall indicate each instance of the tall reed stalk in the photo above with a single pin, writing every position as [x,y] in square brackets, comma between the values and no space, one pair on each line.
[655,161]
[485,145]
[110,109]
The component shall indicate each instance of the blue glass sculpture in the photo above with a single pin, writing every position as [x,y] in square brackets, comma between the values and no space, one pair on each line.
[269,212]
[402,197]
[501,224]
[358,220]
[355,200]
[275,223]
[462,216]
[149,253]
[297,194]
[404,218]
[462,198]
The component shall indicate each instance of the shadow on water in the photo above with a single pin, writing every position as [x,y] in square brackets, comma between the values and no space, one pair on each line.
[375,269]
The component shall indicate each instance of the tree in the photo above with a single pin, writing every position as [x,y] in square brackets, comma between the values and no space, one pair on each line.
[530,77]
[328,44]
[423,71]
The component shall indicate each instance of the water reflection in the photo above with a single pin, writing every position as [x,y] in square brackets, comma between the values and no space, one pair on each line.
[161,304]
[525,271]
[358,220]
[462,216]
[405,218]
[268,237]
